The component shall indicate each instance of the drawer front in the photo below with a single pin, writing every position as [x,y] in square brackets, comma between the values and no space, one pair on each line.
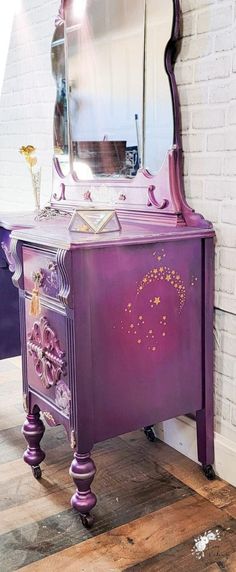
[42,266]
[47,357]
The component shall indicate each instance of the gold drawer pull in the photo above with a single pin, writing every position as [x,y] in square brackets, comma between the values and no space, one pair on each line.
[35,307]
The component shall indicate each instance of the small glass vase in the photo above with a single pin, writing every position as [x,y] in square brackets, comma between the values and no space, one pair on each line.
[36,183]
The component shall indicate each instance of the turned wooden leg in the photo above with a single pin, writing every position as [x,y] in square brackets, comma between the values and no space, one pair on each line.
[82,471]
[33,430]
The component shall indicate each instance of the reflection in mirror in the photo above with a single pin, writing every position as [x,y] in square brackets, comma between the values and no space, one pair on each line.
[61,149]
[158,112]
[105,43]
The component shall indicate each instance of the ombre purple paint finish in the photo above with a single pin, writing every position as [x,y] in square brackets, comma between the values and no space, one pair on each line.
[129,313]
[9,304]
[133,317]
[9,308]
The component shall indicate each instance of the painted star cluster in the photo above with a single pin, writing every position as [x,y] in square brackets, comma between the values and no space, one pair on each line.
[137,325]
[164,274]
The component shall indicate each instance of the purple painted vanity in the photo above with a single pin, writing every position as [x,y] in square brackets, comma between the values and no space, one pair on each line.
[9,305]
[9,333]
[116,327]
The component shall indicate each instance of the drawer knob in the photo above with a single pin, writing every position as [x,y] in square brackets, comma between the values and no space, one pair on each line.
[38,277]
[47,279]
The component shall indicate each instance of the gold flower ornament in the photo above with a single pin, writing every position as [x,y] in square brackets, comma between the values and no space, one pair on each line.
[28,153]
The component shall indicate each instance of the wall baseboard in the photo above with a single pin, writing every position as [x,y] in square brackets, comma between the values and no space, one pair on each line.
[180,433]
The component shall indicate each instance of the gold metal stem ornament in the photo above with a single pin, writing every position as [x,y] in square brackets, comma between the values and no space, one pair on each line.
[28,153]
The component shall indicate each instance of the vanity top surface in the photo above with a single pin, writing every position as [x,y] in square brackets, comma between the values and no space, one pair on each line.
[55,233]
[13,220]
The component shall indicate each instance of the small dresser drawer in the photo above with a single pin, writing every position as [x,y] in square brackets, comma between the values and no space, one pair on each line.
[41,267]
[47,359]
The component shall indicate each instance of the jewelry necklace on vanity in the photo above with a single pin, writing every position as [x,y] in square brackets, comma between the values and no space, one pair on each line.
[49,213]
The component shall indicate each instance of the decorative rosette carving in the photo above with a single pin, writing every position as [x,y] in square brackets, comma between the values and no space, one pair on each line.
[63,397]
[49,359]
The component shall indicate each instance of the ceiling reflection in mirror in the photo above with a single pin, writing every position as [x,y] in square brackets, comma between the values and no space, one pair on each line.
[113,112]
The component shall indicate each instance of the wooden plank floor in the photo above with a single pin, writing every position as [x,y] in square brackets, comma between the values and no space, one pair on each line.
[152,503]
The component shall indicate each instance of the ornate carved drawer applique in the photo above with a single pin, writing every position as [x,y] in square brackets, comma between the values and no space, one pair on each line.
[44,347]
[47,364]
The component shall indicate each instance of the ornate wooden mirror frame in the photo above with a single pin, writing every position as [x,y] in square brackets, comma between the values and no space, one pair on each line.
[148,198]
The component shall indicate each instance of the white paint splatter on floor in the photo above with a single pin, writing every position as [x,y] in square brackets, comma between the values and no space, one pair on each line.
[202,542]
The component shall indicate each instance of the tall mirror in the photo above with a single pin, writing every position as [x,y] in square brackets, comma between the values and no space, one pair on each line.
[113,111]
[105,43]
[61,124]
[158,111]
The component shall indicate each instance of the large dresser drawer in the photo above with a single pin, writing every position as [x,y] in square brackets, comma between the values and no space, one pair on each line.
[47,369]
[40,266]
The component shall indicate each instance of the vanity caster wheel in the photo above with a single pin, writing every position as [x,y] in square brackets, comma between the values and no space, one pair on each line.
[150,433]
[209,472]
[87,520]
[37,472]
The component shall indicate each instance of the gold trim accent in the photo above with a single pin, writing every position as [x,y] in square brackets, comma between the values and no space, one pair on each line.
[72,439]
[25,402]
[48,416]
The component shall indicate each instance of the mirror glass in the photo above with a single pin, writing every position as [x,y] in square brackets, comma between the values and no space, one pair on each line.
[105,43]
[158,112]
[113,112]
[60,126]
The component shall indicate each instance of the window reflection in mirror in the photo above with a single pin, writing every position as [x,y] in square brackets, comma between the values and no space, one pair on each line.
[60,127]
[113,110]
[158,113]
[105,43]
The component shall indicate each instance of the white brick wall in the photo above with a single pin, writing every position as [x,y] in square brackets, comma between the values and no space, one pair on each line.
[206,76]
[26,103]
[207,86]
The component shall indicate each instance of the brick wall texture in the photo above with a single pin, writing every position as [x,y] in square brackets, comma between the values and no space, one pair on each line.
[206,77]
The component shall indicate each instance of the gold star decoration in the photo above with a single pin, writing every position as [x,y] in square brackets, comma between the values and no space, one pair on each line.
[170,276]
[137,329]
